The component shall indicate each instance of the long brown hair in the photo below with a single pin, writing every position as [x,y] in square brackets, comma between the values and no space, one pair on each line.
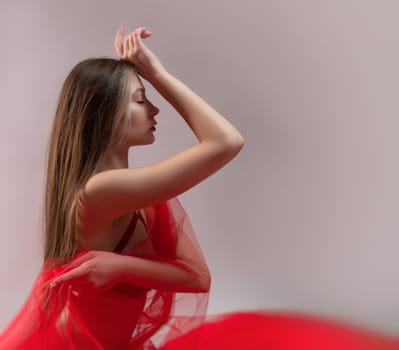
[89,123]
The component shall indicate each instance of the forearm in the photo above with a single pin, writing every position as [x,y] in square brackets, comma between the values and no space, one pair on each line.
[206,123]
[172,276]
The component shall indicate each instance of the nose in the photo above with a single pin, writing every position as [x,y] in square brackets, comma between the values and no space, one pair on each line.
[154,110]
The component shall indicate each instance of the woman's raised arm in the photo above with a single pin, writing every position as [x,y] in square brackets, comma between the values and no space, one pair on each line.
[112,193]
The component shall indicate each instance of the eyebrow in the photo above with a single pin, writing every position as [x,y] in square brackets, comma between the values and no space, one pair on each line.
[139,89]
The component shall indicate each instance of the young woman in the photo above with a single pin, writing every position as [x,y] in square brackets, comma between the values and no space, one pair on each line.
[122,267]
[118,244]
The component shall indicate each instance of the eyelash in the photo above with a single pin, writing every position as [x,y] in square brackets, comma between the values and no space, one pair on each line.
[140,102]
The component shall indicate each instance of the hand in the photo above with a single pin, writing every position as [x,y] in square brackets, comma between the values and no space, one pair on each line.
[132,49]
[99,270]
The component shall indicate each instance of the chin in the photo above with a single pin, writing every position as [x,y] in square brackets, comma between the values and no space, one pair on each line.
[150,142]
[143,142]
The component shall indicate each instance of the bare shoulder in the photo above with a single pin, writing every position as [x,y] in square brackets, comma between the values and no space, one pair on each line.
[113,193]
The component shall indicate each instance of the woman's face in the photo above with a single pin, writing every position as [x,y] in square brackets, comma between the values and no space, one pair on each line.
[140,113]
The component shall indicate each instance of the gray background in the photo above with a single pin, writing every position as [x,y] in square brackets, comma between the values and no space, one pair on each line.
[306,217]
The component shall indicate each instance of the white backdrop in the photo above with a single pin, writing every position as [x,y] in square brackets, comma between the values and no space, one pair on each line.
[306,217]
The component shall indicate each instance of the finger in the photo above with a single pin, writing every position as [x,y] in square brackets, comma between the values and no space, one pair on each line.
[131,43]
[141,30]
[120,37]
[71,276]
[118,48]
[81,259]
[145,34]
[136,40]
[125,46]
[118,41]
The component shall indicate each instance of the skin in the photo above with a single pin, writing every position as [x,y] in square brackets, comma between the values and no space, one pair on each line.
[219,143]
[104,269]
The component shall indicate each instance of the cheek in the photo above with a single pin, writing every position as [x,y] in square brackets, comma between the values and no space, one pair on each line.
[137,118]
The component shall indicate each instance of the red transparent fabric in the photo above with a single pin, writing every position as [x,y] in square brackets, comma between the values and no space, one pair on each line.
[262,330]
[123,317]
[130,317]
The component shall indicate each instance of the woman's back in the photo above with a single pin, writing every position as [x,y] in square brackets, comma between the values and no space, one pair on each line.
[106,238]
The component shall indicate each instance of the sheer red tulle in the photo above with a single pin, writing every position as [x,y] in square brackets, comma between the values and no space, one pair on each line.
[130,317]
[123,317]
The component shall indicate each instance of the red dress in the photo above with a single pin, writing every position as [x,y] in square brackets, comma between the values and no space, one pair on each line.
[130,317]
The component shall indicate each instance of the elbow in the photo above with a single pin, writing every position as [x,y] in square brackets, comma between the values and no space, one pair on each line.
[234,147]
[240,144]
[240,141]
[235,143]
[229,145]
[204,282]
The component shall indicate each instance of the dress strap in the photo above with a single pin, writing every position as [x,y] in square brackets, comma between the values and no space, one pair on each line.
[140,216]
[128,233]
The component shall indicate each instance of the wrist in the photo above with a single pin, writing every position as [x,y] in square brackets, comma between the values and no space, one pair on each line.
[123,267]
[158,76]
